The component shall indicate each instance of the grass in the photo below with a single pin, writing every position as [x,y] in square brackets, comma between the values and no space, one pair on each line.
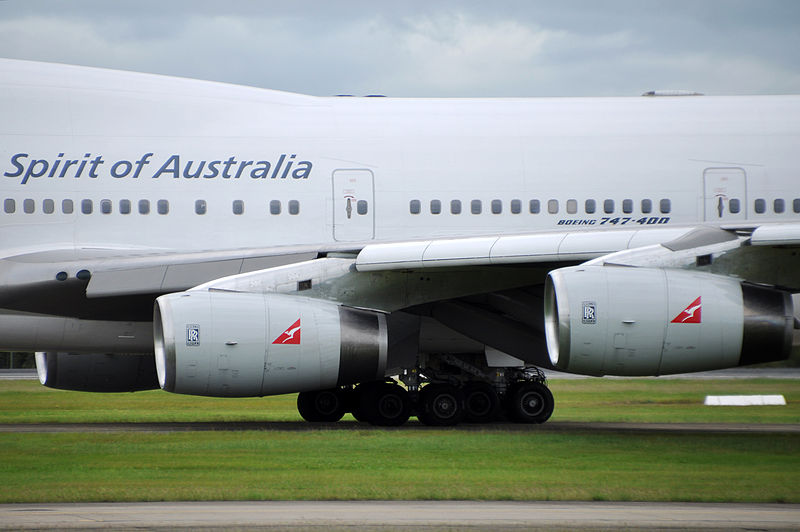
[398,464]
[640,400]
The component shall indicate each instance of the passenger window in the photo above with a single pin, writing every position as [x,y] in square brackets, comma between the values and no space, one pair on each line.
[436,207]
[29,206]
[67,206]
[144,206]
[647,206]
[455,206]
[516,206]
[49,206]
[200,206]
[162,206]
[294,207]
[608,206]
[86,206]
[572,206]
[779,206]
[534,207]
[796,205]
[362,207]
[497,206]
[627,206]
[665,206]
[414,206]
[105,206]
[734,205]
[10,206]
[275,207]
[124,206]
[552,206]
[590,206]
[238,207]
[475,206]
[760,206]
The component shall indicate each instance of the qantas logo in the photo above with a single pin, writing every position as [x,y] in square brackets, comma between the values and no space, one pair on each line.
[690,314]
[290,336]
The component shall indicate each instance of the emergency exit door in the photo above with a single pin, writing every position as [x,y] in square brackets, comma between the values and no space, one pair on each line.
[725,194]
[353,209]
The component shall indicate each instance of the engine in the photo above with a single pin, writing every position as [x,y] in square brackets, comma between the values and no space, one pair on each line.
[242,344]
[606,320]
[96,372]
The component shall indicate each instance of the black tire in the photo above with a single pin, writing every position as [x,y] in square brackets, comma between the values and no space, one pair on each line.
[321,405]
[386,405]
[481,403]
[354,403]
[530,402]
[440,405]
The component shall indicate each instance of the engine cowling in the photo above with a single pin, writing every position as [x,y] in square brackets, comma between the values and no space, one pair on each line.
[606,320]
[96,372]
[242,344]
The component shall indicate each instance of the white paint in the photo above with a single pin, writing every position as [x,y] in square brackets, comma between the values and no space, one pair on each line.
[744,400]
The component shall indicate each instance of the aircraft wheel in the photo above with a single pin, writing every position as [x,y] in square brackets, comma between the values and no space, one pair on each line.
[441,405]
[480,402]
[530,402]
[321,405]
[386,405]
[354,406]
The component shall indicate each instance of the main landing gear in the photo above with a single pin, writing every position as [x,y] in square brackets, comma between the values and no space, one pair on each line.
[514,394]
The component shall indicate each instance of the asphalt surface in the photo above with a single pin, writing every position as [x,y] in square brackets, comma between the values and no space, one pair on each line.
[398,515]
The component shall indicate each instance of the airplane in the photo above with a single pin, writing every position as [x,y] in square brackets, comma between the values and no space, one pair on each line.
[388,257]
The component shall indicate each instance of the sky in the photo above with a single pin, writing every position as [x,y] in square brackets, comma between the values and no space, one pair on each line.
[426,48]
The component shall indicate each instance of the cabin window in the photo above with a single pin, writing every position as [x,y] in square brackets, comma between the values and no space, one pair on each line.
[162,206]
[414,206]
[497,206]
[105,206]
[67,206]
[779,206]
[796,205]
[608,206]
[49,206]
[29,206]
[200,206]
[362,207]
[760,206]
[86,206]
[476,206]
[436,206]
[516,206]
[665,206]
[455,206]
[238,207]
[9,206]
[647,206]
[572,206]
[294,207]
[590,206]
[534,207]
[734,205]
[275,207]
[125,206]
[552,206]
[144,206]
[627,206]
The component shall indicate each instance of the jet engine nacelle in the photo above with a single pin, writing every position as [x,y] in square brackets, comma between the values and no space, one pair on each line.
[96,372]
[606,320]
[243,344]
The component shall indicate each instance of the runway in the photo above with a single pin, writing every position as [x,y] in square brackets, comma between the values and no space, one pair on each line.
[302,426]
[393,515]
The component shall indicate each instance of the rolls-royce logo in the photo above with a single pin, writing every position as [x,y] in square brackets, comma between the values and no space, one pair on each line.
[589,312]
[192,335]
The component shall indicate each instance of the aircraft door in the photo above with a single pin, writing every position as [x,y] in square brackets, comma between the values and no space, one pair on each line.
[725,192]
[353,205]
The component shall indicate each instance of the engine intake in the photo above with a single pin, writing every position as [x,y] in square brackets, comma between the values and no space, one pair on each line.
[606,320]
[242,344]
